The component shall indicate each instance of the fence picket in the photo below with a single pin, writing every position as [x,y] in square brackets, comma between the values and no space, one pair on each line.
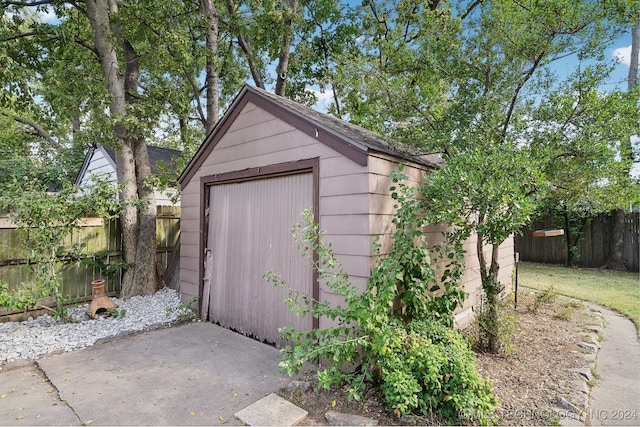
[593,246]
[76,277]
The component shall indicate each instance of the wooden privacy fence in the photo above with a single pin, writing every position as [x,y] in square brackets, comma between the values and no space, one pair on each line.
[593,245]
[98,237]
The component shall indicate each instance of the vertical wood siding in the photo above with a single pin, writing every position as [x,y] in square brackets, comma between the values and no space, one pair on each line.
[250,234]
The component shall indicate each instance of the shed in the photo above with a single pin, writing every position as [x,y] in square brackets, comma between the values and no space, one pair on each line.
[267,160]
[101,160]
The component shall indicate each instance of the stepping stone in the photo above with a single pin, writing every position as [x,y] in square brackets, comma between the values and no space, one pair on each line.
[335,418]
[591,348]
[271,410]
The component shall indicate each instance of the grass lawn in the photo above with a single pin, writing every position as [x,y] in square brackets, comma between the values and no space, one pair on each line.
[619,291]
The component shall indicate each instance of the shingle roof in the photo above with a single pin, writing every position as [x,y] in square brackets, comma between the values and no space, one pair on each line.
[346,138]
[355,133]
[157,156]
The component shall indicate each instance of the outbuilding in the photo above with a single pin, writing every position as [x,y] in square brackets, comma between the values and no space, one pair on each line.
[266,161]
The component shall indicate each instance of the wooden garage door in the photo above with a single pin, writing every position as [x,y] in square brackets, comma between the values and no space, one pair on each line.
[249,234]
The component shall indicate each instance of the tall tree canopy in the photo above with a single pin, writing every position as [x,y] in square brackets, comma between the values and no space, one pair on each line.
[127,73]
[475,81]
[471,80]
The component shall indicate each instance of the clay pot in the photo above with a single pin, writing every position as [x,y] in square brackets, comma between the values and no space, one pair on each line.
[100,299]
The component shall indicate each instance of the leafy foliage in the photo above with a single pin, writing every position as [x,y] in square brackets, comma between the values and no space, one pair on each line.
[100,261]
[430,366]
[395,332]
[21,299]
[47,218]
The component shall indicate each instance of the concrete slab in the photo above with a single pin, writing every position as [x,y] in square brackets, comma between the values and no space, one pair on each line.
[271,410]
[27,398]
[615,399]
[194,374]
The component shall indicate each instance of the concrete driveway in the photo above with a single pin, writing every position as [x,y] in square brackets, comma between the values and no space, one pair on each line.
[193,374]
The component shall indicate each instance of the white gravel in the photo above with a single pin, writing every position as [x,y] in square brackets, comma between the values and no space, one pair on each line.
[44,334]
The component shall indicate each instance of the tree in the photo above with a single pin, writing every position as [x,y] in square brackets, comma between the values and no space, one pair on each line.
[94,64]
[132,160]
[463,81]
[121,73]
[581,131]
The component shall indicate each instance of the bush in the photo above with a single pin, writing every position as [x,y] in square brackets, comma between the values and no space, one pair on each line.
[430,367]
[502,326]
[395,333]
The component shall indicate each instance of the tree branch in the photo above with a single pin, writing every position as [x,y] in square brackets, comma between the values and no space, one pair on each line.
[26,3]
[19,36]
[514,98]
[245,45]
[470,9]
[39,130]
[83,43]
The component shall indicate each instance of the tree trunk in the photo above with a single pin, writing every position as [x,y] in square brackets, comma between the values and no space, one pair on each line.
[140,278]
[635,54]
[283,62]
[245,45]
[212,18]
[567,227]
[492,288]
[616,261]
[146,280]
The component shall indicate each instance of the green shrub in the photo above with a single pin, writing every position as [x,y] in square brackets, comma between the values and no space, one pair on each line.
[546,296]
[430,367]
[503,326]
[395,333]
[24,298]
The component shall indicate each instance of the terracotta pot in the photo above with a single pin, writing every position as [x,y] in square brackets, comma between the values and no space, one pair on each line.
[98,287]
[100,299]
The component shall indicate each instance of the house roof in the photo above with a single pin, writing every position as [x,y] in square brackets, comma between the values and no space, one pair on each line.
[348,139]
[157,156]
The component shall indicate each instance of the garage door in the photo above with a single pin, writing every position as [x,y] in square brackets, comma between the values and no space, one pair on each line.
[249,234]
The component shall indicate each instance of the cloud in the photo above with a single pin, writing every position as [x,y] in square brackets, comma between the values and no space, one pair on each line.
[321,96]
[623,55]
[323,99]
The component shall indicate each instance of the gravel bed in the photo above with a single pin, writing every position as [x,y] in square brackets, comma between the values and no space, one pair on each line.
[44,334]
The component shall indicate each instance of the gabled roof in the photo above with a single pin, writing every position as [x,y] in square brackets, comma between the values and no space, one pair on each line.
[348,139]
[157,155]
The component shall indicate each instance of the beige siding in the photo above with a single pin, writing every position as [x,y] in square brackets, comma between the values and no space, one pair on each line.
[258,139]
[381,206]
[355,202]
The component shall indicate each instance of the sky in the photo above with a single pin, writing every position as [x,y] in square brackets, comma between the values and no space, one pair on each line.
[619,53]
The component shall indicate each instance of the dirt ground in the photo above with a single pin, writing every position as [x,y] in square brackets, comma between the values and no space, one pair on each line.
[534,368]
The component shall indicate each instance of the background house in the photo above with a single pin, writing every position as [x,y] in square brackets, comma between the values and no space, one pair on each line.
[100,160]
[267,160]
